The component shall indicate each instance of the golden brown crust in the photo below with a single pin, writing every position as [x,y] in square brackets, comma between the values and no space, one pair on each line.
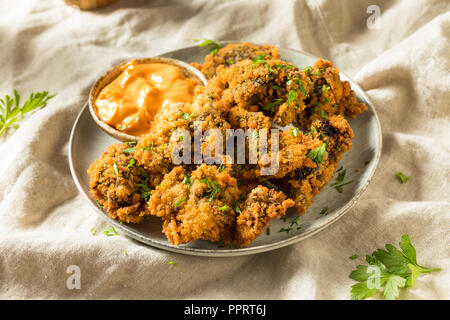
[115,184]
[233,53]
[261,206]
[199,208]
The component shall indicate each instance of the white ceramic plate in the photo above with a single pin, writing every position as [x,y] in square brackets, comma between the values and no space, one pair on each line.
[88,141]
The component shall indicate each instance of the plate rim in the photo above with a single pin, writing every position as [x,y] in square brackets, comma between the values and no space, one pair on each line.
[246,250]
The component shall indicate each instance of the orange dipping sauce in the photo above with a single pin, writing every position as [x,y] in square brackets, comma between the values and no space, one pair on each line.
[130,102]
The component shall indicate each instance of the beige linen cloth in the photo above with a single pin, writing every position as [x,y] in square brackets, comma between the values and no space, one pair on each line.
[399,57]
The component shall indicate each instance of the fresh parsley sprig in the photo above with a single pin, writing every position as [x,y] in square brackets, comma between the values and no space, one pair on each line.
[11,112]
[214,43]
[391,268]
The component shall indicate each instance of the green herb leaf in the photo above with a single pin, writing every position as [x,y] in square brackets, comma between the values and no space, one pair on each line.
[179,202]
[214,43]
[224,208]
[110,232]
[144,189]
[317,155]
[213,188]
[324,211]
[272,105]
[353,257]
[131,163]
[187,181]
[115,168]
[128,150]
[403,178]
[395,269]
[11,112]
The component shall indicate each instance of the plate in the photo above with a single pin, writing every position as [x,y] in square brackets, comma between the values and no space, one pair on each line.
[88,141]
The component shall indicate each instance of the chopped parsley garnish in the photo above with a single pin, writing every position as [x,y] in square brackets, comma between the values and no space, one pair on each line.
[99,205]
[115,168]
[317,155]
[294,132]
[92,231]
[259,59]
[341,175]
[325,89]
[268,231]
[311,131]
[292,96]
[143,186]
[295,221]
[272,105]
[185,115]
[110,232]
[131,163]
[323,114]
[367,162]
[124,252]
[221,168]
[213,188]
[403,179]
[128,150]
[302,88]
[148,148]
[236,207]
[307,70]
[172,263]
[275,87]
[179,202]
[132,143]
[324,211]
[214,43]
[339,187]
[392,268]
[354,257]
[340,180]
[287,230]
[231,61]
[223,208]
[187,181]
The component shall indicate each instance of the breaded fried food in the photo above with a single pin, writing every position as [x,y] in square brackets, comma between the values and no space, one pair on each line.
[261,206]
[252,91]
[329,95]
[293,147]
[196,205]
[119,185]
[233,53]
[175,124]
[309,180]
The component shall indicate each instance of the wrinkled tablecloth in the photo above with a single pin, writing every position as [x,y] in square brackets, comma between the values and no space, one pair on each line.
[397,51]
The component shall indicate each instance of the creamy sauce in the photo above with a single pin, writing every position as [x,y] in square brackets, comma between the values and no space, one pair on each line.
[129,103]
